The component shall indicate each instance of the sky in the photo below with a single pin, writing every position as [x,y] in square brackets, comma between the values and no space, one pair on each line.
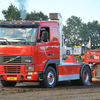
[87,10]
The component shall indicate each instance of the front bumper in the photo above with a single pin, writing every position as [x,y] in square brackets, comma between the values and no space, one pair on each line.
[18,73]
[18,78]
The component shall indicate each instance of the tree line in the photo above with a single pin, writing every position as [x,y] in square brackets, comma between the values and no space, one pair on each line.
[13,13]
[75,31]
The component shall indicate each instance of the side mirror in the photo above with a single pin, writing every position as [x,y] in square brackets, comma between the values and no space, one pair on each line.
[45,36]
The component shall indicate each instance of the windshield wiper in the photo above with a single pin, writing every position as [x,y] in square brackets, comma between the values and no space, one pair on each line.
[22,39]
[5,39]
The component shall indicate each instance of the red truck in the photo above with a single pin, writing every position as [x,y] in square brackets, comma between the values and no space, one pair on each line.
[32,51]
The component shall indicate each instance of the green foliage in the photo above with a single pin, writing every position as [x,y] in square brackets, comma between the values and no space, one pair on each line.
[36,16]
[84,34]
[71,31]
[91,30]
[76,32]
[94,33]
[12,13]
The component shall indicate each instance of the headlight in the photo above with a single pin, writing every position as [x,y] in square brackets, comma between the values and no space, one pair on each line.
[30,73]
[30,68]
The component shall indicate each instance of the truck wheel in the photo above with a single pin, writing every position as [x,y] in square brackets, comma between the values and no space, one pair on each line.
[8,83]
[85,76]
[49,78]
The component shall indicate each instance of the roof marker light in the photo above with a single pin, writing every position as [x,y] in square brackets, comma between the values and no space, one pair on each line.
[33,22]
[10,23]
[21,23]
[15,22]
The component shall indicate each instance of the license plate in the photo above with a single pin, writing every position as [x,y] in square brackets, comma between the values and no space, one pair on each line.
[12,78]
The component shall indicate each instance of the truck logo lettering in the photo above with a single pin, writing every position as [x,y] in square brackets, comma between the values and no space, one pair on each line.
[12,59]
[96,57]
[27,60]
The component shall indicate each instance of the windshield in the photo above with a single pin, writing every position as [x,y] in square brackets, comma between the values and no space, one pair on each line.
[18,34]
[77,50]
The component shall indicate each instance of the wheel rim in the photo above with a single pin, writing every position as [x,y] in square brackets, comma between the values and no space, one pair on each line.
[50,78]
[86,76]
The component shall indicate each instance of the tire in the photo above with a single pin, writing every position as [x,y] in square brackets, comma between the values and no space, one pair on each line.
[85,76]
[8,83]
[50,78]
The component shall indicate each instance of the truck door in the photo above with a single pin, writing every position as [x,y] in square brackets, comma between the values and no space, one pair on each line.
[44,47]
[55,43]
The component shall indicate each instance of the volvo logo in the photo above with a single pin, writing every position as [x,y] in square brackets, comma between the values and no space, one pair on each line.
[1,52]
[12,59]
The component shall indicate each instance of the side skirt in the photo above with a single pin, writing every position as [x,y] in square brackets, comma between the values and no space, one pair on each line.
[68,77]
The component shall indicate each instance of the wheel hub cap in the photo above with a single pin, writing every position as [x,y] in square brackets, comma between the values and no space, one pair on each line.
[50,78]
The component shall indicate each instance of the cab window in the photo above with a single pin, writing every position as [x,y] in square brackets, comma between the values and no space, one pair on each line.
[44,29]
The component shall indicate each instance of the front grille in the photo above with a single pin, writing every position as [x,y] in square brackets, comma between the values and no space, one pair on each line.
[12,69]
[12,59]
[4,59]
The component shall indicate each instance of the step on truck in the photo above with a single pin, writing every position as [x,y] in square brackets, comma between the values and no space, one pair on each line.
[31,51]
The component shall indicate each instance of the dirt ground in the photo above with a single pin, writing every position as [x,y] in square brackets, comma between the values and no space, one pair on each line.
[63,91]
